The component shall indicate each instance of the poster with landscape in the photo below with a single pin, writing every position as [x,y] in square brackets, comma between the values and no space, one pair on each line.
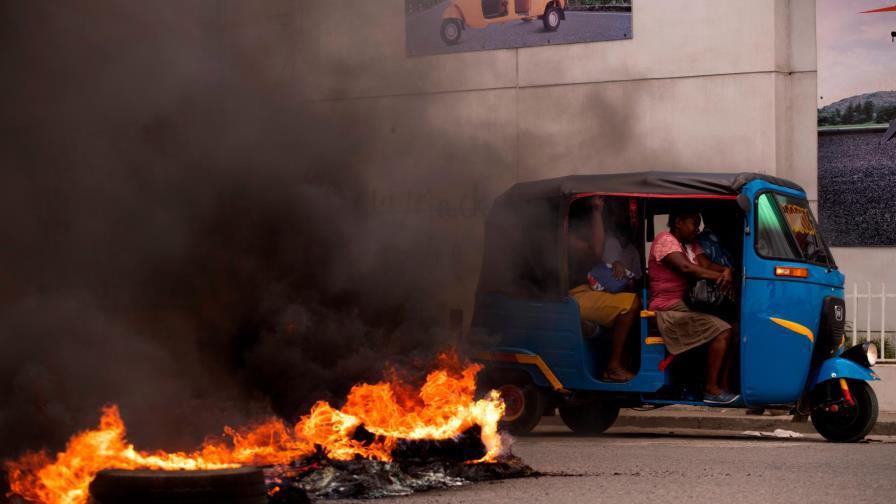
[452,26]
[857,121]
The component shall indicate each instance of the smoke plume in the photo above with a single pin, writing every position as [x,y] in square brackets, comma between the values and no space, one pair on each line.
[183,235]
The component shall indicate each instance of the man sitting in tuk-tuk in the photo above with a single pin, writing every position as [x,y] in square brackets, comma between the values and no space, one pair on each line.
[597,304]
[675,260]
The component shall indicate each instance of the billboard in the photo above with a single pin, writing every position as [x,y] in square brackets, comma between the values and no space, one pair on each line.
[450,26]
[857,121]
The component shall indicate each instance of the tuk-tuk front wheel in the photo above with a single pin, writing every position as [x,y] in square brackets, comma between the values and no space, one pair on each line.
[589,418]
[523,406]
[551,18]
[451,30]
[842,423]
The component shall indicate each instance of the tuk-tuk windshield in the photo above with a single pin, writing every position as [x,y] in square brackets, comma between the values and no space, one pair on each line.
[787,230]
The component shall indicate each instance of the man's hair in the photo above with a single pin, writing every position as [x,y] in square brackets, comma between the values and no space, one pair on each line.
[681,213]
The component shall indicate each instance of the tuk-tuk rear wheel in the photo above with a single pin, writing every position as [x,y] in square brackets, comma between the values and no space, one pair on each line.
[590,418]
[451,30]
[551,18]
[848,424]
[524,405]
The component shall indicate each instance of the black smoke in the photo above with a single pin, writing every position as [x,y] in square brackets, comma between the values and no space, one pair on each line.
[182,233]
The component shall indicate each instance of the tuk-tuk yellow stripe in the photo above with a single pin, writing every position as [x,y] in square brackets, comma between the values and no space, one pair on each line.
[540,364]
[525,359]
[793,326]
[654,340]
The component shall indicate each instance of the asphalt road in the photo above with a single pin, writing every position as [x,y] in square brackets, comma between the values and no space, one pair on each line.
[423,32]
[856,177]
[629,466]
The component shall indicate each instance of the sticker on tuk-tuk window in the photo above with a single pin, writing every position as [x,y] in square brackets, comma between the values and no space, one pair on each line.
[803,229]
[798,219]
[450,26]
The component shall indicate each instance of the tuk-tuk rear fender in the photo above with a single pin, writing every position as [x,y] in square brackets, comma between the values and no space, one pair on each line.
[454,12]
[560,4]
[521,360]
[539,8]
[836,368]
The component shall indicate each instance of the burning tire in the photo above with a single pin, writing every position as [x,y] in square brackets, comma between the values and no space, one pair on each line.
[451,30]
[524,405]
[589,418]
[234,486]
[847,424]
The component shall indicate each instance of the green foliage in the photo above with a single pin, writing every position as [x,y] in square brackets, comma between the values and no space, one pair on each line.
[412,6]
[885,114]
[854,113]
[857,113]
[867,112]
[600,3]
[849,115]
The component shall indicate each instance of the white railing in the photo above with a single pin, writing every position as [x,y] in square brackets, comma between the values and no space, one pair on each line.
[879,337]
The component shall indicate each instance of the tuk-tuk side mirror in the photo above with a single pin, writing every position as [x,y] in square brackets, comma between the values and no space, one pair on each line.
[744,203]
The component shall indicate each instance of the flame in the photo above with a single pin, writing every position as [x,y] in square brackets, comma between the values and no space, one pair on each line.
[443,408]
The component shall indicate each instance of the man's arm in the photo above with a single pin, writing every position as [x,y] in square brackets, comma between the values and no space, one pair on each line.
[597,226]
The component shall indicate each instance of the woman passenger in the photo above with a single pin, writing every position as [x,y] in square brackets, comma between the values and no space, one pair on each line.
[675,261]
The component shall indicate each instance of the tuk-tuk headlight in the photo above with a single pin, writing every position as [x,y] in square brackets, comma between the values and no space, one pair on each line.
[863,353]
[871,354]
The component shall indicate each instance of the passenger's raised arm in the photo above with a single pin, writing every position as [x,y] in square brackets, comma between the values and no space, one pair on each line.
[597,226]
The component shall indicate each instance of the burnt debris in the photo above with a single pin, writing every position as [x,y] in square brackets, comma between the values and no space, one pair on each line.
[417,465]
[321,478]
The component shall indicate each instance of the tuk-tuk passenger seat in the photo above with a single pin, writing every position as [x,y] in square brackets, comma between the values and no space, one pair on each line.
[652,328]
[654,336]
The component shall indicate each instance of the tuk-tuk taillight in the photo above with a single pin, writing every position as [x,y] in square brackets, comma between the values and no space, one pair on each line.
[787,271]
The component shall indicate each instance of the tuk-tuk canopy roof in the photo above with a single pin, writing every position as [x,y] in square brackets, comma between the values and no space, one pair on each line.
[524,242]
[642,183]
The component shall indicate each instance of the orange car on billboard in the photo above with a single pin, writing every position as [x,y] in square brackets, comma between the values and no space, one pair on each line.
[463,14]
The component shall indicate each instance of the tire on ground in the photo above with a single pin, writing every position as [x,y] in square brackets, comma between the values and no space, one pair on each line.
[233,486]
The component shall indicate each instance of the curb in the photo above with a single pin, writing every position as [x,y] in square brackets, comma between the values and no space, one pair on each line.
[724,422]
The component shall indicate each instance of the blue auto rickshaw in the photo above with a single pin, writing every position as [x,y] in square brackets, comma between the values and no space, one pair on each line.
[539,355]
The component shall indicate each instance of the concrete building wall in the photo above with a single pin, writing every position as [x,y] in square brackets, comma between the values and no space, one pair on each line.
[703,85]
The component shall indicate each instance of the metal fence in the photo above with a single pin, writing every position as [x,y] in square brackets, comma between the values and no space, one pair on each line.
[865,296]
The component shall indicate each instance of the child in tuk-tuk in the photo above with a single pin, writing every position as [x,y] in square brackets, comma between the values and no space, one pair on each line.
[603,267]
[674,261]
